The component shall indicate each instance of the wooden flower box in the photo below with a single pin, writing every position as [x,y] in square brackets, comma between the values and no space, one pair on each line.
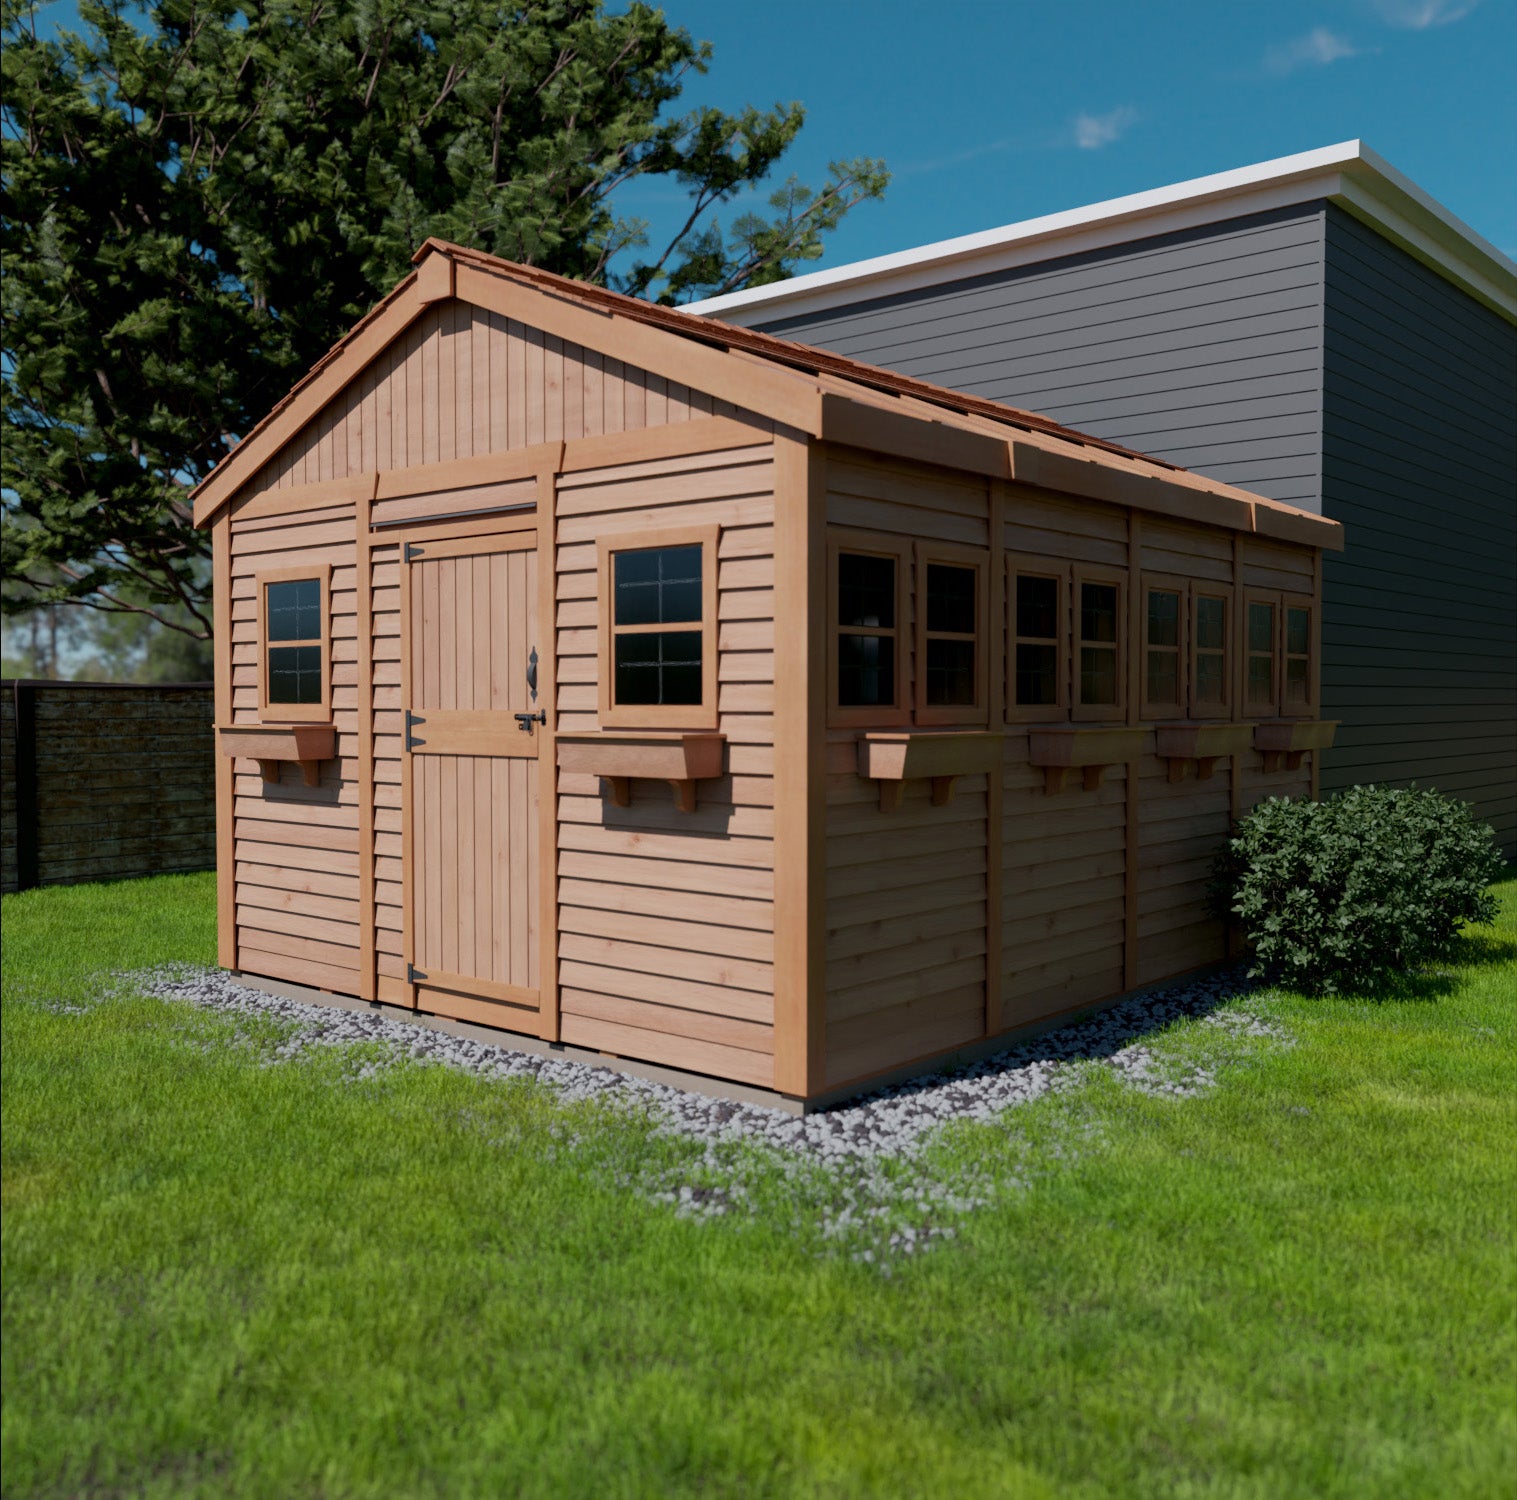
[270,744]
[1205,744]
[1063,749]
[679,758]
[894,757]
[1285,741]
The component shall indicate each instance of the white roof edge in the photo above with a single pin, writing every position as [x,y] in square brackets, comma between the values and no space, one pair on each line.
[1349,173]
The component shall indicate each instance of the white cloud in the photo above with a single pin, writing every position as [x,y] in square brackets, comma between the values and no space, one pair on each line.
[1419,15]
[1094,131]
[1314,50]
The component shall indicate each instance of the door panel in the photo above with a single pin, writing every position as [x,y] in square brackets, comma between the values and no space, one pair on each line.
[472,768]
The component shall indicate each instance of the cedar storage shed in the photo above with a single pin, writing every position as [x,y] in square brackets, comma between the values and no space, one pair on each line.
[667,691]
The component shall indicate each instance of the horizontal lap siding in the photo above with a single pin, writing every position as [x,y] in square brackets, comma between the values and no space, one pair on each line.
[1420,464]
[462,382]
[296,847]
[1063,890]
[1203,346]
[666,919]
[906,889]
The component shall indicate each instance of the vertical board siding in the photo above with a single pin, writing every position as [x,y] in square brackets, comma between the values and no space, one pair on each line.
[666,948]
[462,382]
[1203,346]
[1420,464]
[296,847]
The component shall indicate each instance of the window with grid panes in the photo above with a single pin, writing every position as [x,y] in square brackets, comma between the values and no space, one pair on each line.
[1163,681]
[1098,620]
[867,630]
[952,606]
[1298,656]
[1261,654]
[1037,609]
[654,592]
[1209,690]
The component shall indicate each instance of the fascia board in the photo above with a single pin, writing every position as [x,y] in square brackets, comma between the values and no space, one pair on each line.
[1349,173]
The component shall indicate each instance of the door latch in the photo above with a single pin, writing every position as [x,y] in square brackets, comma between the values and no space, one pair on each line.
[524,722]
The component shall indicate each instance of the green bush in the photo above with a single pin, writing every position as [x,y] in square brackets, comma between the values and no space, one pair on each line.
[1350,892]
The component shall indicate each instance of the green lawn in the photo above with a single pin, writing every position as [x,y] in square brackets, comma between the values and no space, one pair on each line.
[226,1277]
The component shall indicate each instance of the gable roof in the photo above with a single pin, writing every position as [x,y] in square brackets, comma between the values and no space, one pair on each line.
[811,391]
[1350,174]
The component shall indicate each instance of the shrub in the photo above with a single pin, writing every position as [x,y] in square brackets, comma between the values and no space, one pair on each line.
[1350,892]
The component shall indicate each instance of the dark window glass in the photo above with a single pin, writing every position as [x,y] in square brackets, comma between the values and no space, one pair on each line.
[294,673]
[1163,677]
[1261,627]
[1098,615]
[659,666]
[866,671]
[1163,618]
[866,590]
[1037,674]
[1295,679]
[1298,631]
[1211,625]
[950,673]
[1038,607]
[1098,675]
[658,586]
[294,613]
[1209,677]
[1261,679]
[950,599]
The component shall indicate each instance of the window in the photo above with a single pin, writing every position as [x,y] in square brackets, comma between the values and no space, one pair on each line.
[1039,686]
[294,633]
[951,615]
[658,630]
[1209,697]
[1279,653]
[1098,648]
[1163,623]
[869,643]
[1298,658]
[1261,696]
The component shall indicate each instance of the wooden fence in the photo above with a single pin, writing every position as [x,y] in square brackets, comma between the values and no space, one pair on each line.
[105,781]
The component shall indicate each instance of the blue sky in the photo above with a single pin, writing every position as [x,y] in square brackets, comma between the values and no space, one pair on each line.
[992,111]
[988,113]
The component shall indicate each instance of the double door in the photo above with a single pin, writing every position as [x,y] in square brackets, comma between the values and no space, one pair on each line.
[474,692]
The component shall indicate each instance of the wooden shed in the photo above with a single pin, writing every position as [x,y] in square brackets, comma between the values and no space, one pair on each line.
[667,692]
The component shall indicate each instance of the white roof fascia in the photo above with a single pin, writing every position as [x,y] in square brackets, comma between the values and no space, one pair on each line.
[1349,174]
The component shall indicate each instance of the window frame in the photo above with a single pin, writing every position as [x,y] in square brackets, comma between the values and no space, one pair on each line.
[270,712]
[1038,567]
[1283,601]
[953,555]
[869,544]
[614,715]
[1246,652]
[1308,706]
[1150,709]
[1081,574]
[1224,594]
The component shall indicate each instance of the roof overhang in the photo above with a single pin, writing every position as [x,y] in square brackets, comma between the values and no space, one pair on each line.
[1350,175]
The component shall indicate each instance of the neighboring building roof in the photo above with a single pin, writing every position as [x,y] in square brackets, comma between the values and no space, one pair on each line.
[1350,175]
[824,395]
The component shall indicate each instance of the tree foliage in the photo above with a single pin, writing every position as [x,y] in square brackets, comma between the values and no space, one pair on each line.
[200,196]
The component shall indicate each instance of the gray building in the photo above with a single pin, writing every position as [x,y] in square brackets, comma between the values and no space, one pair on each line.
[1316,329]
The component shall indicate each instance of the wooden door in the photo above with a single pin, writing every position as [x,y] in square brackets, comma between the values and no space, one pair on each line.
[473,740]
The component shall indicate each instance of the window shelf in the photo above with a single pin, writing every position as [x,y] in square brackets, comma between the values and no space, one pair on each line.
[308,745]
[1205,744]
[1090,751]
[940,756]
[1284,741]
[617,757]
